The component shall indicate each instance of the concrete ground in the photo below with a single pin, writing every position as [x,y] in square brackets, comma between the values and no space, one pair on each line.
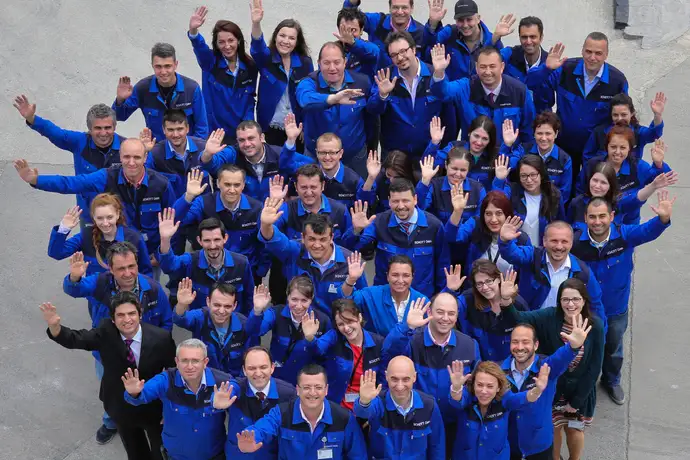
[67,55]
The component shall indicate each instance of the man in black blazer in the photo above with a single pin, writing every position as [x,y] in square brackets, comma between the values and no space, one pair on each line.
[124,342]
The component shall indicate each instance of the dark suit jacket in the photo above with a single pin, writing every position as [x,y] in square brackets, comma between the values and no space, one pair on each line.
[157,353]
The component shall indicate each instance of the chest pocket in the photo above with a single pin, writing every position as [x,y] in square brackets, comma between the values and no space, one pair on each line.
[152,317]
[565,94]
[152,116]
[334,441]
[418,440]
[423,252]
[149,215]
[511,113]
[390,249]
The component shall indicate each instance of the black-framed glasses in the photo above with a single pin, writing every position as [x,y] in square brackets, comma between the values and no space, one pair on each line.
[532,176]
[325,153]
[400,53]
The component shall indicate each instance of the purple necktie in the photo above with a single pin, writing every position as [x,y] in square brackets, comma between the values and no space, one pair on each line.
[492,98]
[130,354]
[406,227]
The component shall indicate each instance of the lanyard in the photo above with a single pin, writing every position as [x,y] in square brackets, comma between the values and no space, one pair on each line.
[354,368]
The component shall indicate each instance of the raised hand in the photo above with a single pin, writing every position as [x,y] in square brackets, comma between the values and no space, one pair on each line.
[50,315]
[658,151]
[344,35]
[271,211]
[222,396]
[384,82]
[195,185]
[509,135]
[508,287]
[504,26]
[133,385]
[542,379]
[510,228]
[436,130]
[146,138]
[415,316]
[439,59]
[368,390]
[579,333]
[665,206]
[555,59]
[277,188]
[373,164]
[428,170]
[197,20]
[436,12]
[355,266]
[124,89]
[658,104]
[71,218]
[246,442]
[345,97]
[77,266]
[458,198]
[186,295]
[359,216]
[25,108]
[665,179]
[292,129]
[456,371]
[214,144]
[262,299]
[501,167]
[27,173]
[310,326]
[166,223]
[256,8]
[454,278]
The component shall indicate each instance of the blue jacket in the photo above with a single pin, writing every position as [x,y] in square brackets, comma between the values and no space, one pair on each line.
[462,60]
[483,438]
[229,99]
[347,121]
[613,264]
[516,67]
[225,355]
[162,158]
[534,283]
[247,410]
[296,261]
[59,248]
[287,341]
[376,305]
[192,428]
[435,198]
[87,157]
[492,332]
[558,164]
[336,354]
[531,427]
[141,205]
[363,57]
[338,426]
[404,124]
[596,145]
[284,163]
[431,361]
[426,246]
[346,187]
[236,271]
[146,96]
[514,102]
[579,114]
[481,169]
[418,436]
[294,215]
[626,204]
[241,225]
[274,81]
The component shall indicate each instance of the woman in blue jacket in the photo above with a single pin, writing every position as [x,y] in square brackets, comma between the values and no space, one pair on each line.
[282,64]
[484,401]
[228,74]
[347,351]
[396,165]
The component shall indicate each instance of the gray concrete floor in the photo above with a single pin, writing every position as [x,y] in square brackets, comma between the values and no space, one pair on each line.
[67,55]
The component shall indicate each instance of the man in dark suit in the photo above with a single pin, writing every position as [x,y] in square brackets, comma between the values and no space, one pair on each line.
[123,342]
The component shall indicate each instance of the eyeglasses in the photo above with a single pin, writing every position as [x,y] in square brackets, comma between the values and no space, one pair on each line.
[487,283]
[193,362]
[574,300]
[322,153]
[531,176]
[400,53]
[312,389]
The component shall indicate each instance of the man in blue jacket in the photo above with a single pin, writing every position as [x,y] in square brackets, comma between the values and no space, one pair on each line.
[608,249]
[334,100]
[499,97]
[166,89]
[309,427]
[362,55]
[405,423]
[530,433]
[583,87]
[543,269]
[403,229]
[342,183]
[192,428]
[95,149]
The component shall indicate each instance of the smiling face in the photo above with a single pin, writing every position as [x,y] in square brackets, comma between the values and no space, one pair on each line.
[221,307]
[530,39]
[102,132]
[258,368]
[594,54]
[599,218]
[618,149]
[349,326]
[298,304]
[133,159]
[545,136]
[399,278]
[164,69]
[479,139]
[212,242]
[227,44]
[490,68]
[176,133]
[444,314]
[403,204]
[401,377]
[310,190]
[402,54]
[486,387]
[599,185]
[487,286]
[332,65]
[329,153]
[286,40]
[558,241]
[105,218]
[530,179]
[319,246]
[125,270]
[401,11]
[251,143]
[312,390]
[231,186]
[126,319]
[494,218]
[191,363]
[571,302]
[457,170]
[523,344]
[468,26]
[621,115]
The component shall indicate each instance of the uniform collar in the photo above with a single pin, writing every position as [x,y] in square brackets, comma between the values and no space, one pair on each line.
[420,216]
[120,233]
[429,339]
[348,79]
[567,265]
[252,390]
[115,145]
[552,154]
[325,206]
[244,203]
[181,382]
[179,84]
[603,73]
[227,262]
[415,402]
[339,173]
[388,25]
[170,152]
[295,60]
[123,180]
[446,187]
[298,415]
[597,244]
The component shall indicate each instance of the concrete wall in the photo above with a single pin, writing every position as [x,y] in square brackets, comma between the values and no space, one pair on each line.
[658,22]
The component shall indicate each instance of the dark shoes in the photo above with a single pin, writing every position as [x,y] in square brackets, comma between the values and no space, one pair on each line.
[104,435]
[616,394]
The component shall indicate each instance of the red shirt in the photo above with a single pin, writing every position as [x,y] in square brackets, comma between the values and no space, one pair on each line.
[357,372]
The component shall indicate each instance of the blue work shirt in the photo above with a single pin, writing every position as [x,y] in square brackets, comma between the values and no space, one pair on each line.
[165,160]
[295,214]
[435,198]
[596,144]
[345,187]
[516,67]
[558,164]
[363,57]
[482,168]
[624,206]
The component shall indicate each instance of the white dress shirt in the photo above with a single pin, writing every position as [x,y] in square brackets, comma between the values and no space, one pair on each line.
[136,344]
[557,277]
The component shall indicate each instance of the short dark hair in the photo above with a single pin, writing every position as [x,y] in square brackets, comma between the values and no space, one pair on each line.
[400,259]
[211,223]
[223,288]
[319,223]
[340,306]
[529,21]
[547,118]
[302,284]
[399,185]
[163,50]
[121,248]
[531,328]
[400,35]
[351,14]
[390,3]
[249,124]
[256,348]
[231,168]
[312,369]
[175,116]
[598,201]
[310,170]
[336,45]
[122,298]
[488,51]
[598,37]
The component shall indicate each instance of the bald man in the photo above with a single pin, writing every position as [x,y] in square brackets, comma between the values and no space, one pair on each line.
[404,422]
[144,192]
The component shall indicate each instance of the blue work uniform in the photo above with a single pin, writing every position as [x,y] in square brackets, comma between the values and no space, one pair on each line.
[225,347]
[558,164]
[185,96]
[294,215]
[194,265]
[287,340]
[425,245]
[165,160]
[229,96]
[87,156]
[345,187]
[362,57]
[417,435]
[516,67]
[192,428]
[482,168]
[626,204]
[596,144]
[435,198]
[336,436]
[431,360]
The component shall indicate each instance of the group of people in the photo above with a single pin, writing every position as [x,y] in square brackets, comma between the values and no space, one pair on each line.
[501,232]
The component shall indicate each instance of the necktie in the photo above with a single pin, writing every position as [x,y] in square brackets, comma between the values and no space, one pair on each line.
[406,226]
[492,98]
[261,396]
[130,354]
